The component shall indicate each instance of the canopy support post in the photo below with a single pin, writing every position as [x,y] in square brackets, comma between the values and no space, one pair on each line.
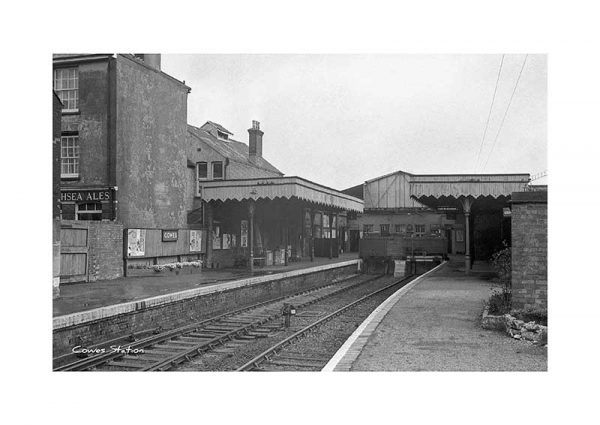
[466,204]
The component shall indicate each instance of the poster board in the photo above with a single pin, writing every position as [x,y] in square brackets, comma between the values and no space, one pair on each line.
[216,238]
[195,240]
[226,241]
[136,242]
[244,233]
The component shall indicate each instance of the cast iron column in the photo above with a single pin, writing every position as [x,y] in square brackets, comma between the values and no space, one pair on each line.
[330,236]
[251,213]
[209,234]
[466,204]
[312,235]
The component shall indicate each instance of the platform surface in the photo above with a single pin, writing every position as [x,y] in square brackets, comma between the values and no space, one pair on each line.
[436,326]
[87,296]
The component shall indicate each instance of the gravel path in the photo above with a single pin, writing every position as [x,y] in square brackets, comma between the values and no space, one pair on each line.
[436,327]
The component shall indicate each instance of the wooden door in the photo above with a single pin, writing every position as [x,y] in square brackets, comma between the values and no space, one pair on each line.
[74,254]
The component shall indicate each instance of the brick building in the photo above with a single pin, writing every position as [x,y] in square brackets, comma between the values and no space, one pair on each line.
[122,120]
[56,118]
[251,212]
[129,160]
[530,249]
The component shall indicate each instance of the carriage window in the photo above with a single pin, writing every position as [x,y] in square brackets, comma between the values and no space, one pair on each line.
[419,228]
[367,228]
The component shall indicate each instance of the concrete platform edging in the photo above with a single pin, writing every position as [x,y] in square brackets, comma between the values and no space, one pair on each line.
[82,317]
[351,349]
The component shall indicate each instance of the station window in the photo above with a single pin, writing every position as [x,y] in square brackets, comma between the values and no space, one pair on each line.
[385,229]
[202,170]
[69,156]
[66,86]
[217,170]
[367,228]
[400,228]
[90,211]
[326,228]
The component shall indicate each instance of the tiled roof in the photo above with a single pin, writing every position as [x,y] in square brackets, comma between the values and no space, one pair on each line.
[232,149]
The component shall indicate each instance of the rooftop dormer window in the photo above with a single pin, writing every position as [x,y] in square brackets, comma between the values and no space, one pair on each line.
[223,136]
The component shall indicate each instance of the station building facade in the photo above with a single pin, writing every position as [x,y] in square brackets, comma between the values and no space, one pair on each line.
[471,211]
[131,165]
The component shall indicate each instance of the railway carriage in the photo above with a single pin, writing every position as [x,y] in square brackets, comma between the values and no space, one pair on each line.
[380,253]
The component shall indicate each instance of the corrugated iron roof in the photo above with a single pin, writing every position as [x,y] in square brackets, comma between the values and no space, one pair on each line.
[234,150]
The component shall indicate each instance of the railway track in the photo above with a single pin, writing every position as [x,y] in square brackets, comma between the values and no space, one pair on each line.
[286,355]
[165,350]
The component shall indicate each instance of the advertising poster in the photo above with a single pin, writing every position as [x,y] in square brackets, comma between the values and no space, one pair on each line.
[226,241]
[136,242]
[195,240]
[244,234]
[216,238]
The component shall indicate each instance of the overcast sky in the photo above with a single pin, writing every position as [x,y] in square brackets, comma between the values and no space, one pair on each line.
[339,120]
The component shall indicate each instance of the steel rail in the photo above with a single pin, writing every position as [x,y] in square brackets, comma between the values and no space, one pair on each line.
[177,358]
[254,363]
[101,358]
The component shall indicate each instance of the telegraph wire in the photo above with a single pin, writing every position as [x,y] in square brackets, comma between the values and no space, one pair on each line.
[505,112]
[490,113]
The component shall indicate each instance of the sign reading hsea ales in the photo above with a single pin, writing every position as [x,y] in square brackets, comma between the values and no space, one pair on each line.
[170,235]
[85,195]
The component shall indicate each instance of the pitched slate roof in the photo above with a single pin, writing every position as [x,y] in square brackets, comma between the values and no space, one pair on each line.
[218,126]
[232,149]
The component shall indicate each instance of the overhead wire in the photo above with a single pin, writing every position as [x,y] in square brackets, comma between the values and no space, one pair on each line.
[489,113]
[505,112]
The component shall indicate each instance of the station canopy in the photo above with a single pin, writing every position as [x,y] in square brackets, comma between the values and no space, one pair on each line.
[446,191]
[279,188]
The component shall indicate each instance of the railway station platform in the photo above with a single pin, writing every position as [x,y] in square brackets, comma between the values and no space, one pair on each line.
[434,324]
[86,296]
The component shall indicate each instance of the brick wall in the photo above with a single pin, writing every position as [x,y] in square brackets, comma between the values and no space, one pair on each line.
[182,312]
[151,133]
[529,249]
[106,250]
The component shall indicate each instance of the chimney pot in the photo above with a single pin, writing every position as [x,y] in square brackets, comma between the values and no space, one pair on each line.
[150,59]
[255,140]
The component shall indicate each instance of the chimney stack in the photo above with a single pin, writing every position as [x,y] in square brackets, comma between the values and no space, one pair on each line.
[255,139]
[150,59]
